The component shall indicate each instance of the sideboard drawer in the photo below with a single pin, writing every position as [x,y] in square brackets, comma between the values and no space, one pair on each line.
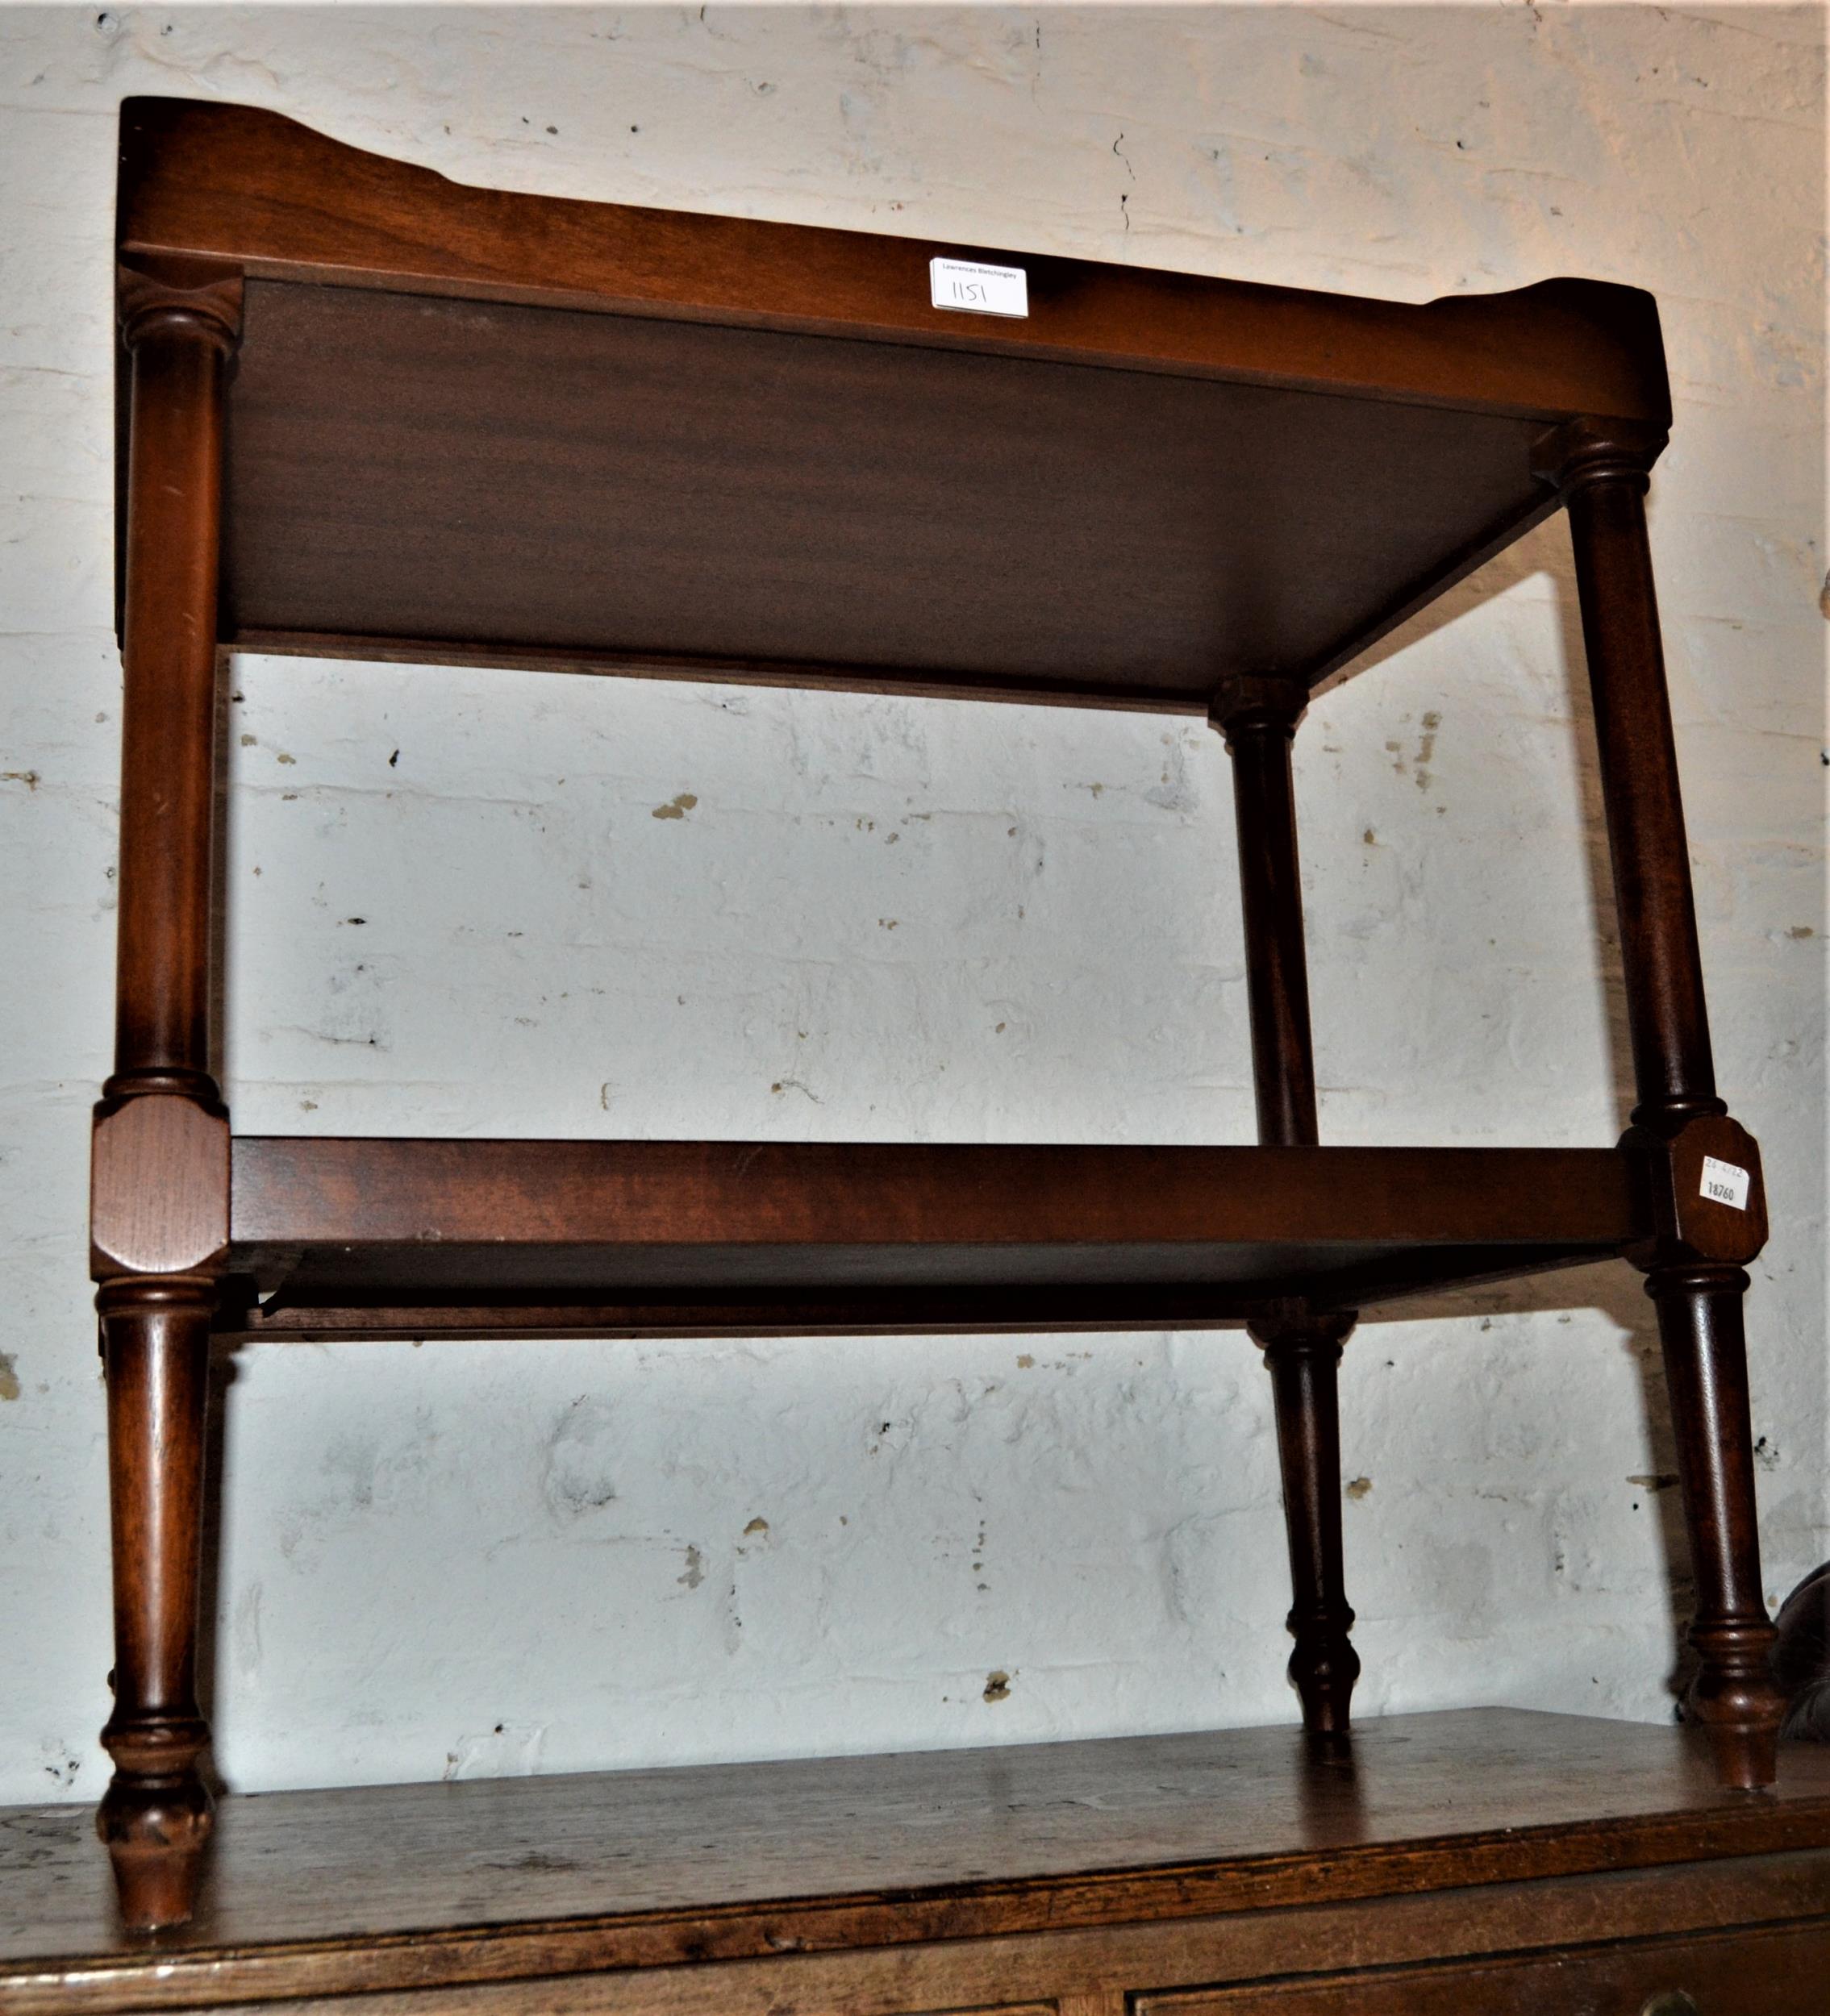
[1781,1972]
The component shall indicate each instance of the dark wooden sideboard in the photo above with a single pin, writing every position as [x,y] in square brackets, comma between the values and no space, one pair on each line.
[367,413]
[1484,1863]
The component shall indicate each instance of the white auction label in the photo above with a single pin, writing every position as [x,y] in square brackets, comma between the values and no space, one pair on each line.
[1725,1183]
[976,290]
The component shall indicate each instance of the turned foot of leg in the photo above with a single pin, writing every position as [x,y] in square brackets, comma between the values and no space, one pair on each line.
[1735,1695]
[155,1815]
[1324,1667]
[154,1825]
[1303,1353]
[1735,1698]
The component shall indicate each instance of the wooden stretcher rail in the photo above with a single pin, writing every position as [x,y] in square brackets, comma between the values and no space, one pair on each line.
[301,1191]
[370,1238]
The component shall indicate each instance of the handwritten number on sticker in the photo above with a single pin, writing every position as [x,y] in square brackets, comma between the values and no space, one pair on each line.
[975,289]
[1725,1183]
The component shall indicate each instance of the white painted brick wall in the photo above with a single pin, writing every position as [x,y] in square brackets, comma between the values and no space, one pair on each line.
[892,919]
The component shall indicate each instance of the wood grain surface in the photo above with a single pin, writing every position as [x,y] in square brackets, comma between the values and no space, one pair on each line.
[1777,1970]
[650,1868]
[306,1190]
[470,423]
[159,1187]
[707,1237]
[670,493]
[549,1970]
[210,182]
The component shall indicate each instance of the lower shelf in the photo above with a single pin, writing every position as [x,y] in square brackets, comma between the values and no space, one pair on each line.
[948,1880]
[358,1237]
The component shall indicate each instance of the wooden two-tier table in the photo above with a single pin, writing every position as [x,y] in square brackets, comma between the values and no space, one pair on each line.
[366,413]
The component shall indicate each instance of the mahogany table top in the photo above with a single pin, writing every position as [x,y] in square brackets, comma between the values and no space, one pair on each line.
[470,424]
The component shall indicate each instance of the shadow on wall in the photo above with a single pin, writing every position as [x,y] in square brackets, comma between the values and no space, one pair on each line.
[1619,1293]
[1608,1287]
[1545,551]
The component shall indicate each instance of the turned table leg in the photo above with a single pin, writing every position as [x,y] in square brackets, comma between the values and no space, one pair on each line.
[1302,1352]
[160,1203]
[155,1814]
[1735,1694]
[1301,1346]
[1694,1261]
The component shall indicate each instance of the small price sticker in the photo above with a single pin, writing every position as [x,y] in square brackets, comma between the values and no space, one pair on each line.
[1725,1183]
[977,290]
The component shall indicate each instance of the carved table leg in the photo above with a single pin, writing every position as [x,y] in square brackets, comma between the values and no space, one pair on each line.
[1694,1257]
[159,1219]
[1258,717]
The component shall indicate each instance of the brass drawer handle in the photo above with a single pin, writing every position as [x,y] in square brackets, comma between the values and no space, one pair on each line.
[1671,2001]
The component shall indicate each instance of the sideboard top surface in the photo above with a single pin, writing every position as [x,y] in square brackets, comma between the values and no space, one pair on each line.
[470,424]
[650,1867]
